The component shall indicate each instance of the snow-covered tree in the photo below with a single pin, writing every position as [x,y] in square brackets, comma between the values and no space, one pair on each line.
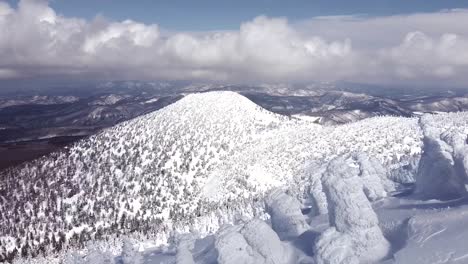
[130,254]
[350,215]
[184,248]
[287,219]
[441,173]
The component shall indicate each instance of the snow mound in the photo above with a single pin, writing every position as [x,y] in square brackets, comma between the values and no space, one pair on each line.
[334,247]
[233,248]
[253,242]
[287,219]
[265,241]
[184,248]
[351,214]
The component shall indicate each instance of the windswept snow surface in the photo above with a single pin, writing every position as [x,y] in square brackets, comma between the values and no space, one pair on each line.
[211,159]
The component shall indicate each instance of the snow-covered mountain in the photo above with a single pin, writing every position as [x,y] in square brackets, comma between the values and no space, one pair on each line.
[208,160]
[39,117]
[32,122]
[331,107]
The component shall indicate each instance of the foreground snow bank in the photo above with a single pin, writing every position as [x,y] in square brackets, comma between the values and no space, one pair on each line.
[437,236]
[355,235]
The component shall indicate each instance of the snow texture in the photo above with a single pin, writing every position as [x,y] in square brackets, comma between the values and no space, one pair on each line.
[441,173]
[211,159]
[374,177]
[184,248]
[437,236]
[253,242]
[334,247]
[130,254]
[351,214]
[315,196]
[233,248]
[286,216]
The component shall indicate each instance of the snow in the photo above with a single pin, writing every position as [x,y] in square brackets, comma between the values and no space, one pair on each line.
[152,100]
[286,217]
[183,255]
[440,175]
[436,237]
[350,214]
[256,233]
[373,176]
[233,248]
[252,242]
[130,254]
[334,247]
[250,186]
[108,99]
[314,119]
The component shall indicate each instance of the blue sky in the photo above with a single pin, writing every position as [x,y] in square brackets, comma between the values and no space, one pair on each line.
[202,15]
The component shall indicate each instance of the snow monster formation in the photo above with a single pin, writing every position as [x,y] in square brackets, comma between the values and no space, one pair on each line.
[354,235]
[375,182]
[374,176]
[287,219]
[184,248]
[442,169]
[315,196]
[252,243]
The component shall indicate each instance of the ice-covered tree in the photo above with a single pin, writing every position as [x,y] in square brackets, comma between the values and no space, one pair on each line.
[185,245]
[287,219]
[441,172]
[252,242]
[351,216]
[130,254]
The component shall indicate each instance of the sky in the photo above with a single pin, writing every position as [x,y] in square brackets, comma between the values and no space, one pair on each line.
[418,42]
[206,15]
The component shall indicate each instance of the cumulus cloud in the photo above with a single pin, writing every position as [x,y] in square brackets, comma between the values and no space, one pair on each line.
[419,48]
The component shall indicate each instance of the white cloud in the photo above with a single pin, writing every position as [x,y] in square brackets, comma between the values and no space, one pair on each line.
[8,74]
[422,57]
[135,34]
[417,48]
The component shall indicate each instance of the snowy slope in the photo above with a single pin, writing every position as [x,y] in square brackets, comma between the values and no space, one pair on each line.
[198,164]
[133,176]
[282,156]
